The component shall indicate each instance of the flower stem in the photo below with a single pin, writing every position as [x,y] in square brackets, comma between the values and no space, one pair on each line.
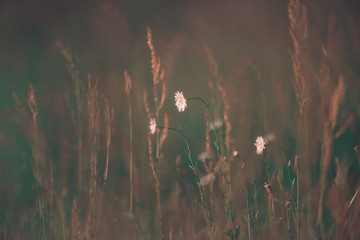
[211,119]
[186,142]
[297,173]
[220,159]
[194,171]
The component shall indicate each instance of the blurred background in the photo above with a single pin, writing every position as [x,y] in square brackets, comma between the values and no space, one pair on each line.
[287,69]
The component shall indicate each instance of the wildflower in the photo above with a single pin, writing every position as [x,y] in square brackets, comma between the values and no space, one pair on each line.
[203,156]
[218,123]
[180,101]
[270,137]
[260,145]
[207,179]
[235,154]
[152,126]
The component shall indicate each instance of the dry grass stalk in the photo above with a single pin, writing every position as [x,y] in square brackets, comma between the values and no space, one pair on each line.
[157,184]
[158,78]
[74,221]
[213,66]
[39,159]
[94,137]
[33,106]
[158,75]
[37,148]
[109,122]
[150,150]
[40,164]
[165,131]
[28,121]
[109,129]
[155,61]
[163,94]
[353,198]
[80,104]
[249,62]
[128,86]
[332,98]
[146,105]
[223,165]
[336,101]
[298,31]
[94,145]
[226,112]
[349,121]
[128,82]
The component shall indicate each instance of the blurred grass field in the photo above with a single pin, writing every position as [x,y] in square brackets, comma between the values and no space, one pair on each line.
[80,82]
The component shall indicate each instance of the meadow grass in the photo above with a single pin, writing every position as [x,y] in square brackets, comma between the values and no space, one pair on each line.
[251,181]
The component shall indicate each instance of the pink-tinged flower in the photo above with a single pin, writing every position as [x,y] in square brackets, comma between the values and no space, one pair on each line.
[260,145]
[207,179]
[152,126]
[235,154]
[180,101]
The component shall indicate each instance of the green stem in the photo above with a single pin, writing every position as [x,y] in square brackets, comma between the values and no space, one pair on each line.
[211,119]
[186,141]
[218,152]
[193,169]
[298,176]
[297,200]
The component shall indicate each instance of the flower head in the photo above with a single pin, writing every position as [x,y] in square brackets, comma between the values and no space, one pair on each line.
[203,156]
[235,154]
[217,123]
[180,101]
[270,137]
[260,145]
[207,179]
[152,126]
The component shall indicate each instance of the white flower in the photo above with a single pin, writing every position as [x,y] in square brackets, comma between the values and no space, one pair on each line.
[180,101]
[218,123]
[152,126]
[207,179]
[270,137]
[203,156]
[260,145]
[236,154]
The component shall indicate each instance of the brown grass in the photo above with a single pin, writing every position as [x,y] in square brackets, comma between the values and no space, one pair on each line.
[148,187]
